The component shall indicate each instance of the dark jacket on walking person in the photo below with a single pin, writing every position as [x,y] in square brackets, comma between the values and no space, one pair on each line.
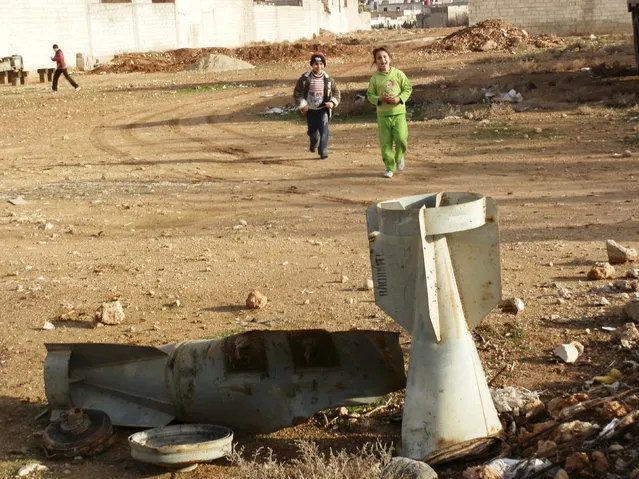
[316,94]
[61,69]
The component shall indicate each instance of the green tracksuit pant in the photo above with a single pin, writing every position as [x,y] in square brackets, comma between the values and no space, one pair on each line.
[392,129]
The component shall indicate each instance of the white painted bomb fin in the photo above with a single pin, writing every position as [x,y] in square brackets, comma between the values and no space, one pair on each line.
[436,271]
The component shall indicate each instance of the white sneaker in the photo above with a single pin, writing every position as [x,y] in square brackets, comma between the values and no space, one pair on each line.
[53,92]
[401,164]
[388,174]
[77,88]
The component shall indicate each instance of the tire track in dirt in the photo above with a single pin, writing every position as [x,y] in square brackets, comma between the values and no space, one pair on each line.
[102,136]
[98,135]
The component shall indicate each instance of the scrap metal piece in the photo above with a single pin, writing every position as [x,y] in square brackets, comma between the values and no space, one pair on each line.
[258,381]
[435,262]
[83,432]
[182,447]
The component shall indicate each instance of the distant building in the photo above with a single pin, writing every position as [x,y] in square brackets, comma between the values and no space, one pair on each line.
[418,13]
[403,5]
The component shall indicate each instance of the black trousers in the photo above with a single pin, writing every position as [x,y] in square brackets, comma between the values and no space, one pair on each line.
[56,76]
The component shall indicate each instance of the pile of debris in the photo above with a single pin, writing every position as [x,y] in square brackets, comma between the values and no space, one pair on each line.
[181,59]
[491,35]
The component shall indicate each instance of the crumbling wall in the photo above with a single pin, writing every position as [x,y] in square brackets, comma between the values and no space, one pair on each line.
[573,17]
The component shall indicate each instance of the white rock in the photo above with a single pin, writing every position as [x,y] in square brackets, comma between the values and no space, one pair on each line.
[31,468]
[579,346]
[48,325]
[368,285]
[568,353]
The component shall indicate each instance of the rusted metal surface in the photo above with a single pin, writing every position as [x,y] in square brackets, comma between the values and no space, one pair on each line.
[181,447]
[451,450]
[258,381]
[78,432]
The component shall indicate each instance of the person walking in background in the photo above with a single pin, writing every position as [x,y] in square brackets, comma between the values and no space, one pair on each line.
[316,94]
[389,89]
[61,69]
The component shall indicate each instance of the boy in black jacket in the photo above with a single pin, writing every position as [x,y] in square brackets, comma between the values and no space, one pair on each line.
[316,94]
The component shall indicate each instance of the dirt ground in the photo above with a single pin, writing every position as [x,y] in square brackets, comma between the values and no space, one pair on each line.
[174,193]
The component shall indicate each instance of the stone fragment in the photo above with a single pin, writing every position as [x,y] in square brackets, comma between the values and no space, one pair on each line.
[556,405]
[512,305]
[561,474]
[618,254]
[515,399]
[571,430]
[633,273]
[405,468]
[546,448]
[256,300]
[631,310]
[568,353]
[603,301]
[564,292]
[601,271]
[627,333]
[613,409]
[368,285]
[576,462]
[488,46]
[110,313]
[31,468]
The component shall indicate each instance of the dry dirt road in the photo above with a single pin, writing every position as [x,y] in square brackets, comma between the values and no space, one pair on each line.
[156,187]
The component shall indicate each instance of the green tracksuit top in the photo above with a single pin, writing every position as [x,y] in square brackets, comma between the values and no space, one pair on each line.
[393,82]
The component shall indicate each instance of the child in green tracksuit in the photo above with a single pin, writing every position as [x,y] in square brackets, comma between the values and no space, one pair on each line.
[388,89]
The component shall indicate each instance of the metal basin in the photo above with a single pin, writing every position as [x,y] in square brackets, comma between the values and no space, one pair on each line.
[181,447]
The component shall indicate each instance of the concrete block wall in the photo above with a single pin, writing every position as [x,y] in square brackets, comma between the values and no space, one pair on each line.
[30,28]
[569,17]
[100,30]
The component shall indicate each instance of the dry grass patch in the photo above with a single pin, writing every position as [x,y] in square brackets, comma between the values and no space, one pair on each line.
[368,462]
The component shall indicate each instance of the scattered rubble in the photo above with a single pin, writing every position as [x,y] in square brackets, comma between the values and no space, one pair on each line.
[491,35]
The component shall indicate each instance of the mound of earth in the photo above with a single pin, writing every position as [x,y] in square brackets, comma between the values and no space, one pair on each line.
[216,62]
[491,35]
[268,53]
